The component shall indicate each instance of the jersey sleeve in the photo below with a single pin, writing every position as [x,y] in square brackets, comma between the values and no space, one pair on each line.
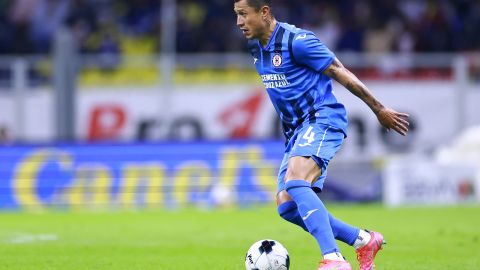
[308,50]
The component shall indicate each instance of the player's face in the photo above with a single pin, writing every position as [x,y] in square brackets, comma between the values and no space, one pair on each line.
[249,20]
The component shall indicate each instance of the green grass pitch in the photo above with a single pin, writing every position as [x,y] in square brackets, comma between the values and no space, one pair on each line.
[418,238]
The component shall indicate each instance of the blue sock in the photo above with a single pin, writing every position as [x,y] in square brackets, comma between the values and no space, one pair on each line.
[289,211]
[314,214]
[343,231]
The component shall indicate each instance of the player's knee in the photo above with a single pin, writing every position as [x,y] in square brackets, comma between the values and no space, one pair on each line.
[301,168]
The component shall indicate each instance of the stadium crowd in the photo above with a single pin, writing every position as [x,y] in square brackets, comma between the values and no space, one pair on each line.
[28,26]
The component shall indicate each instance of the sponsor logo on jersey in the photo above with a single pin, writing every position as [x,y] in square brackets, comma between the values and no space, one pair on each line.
[302,36]
[275,80]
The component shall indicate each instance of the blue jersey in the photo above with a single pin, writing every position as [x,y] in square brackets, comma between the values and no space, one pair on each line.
[291,66]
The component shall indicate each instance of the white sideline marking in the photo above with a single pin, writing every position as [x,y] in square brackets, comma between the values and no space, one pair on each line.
[24,238]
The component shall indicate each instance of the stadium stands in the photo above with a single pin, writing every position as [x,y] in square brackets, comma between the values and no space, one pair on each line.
[209,26]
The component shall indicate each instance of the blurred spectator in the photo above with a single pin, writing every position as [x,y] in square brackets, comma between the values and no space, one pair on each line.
[191,16]
[48,16]
[21,12]
[82,19]
[105,41]
[140,17]
[378,39]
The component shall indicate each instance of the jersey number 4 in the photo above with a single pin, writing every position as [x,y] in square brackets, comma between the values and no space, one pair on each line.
[309,136]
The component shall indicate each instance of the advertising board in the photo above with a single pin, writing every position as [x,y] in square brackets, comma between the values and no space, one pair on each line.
[139,175]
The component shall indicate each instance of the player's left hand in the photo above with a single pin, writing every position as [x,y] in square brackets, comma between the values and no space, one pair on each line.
[391,119]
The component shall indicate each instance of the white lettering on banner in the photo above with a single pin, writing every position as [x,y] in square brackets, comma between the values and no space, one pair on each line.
[144,115]
[423,181]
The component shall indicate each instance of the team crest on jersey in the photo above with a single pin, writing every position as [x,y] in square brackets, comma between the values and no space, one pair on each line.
[277,60]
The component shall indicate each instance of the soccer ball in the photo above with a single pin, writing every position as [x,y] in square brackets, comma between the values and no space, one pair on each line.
[267,254]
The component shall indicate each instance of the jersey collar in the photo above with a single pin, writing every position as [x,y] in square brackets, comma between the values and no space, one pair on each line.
[272,37]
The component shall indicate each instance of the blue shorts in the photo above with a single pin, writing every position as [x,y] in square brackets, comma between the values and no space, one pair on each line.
[316,141]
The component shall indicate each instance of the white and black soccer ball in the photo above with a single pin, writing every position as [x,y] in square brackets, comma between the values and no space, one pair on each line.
[267,254]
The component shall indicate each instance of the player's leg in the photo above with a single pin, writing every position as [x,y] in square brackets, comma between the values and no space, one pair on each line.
[301,173]
[304,172]
[286,207]
[314,147]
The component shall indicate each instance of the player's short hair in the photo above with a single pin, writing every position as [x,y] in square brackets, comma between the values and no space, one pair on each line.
[258,4]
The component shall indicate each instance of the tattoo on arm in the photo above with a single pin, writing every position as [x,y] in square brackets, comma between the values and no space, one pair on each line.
[342,75]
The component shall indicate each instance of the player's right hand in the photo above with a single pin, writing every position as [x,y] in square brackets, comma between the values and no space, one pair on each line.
[392,119]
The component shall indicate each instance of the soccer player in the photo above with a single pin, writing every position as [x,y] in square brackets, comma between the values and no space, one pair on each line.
[297,70]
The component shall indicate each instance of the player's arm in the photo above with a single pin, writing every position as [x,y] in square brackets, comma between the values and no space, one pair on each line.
[389,118]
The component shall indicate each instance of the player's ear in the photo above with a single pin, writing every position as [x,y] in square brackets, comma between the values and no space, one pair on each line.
[266,14]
